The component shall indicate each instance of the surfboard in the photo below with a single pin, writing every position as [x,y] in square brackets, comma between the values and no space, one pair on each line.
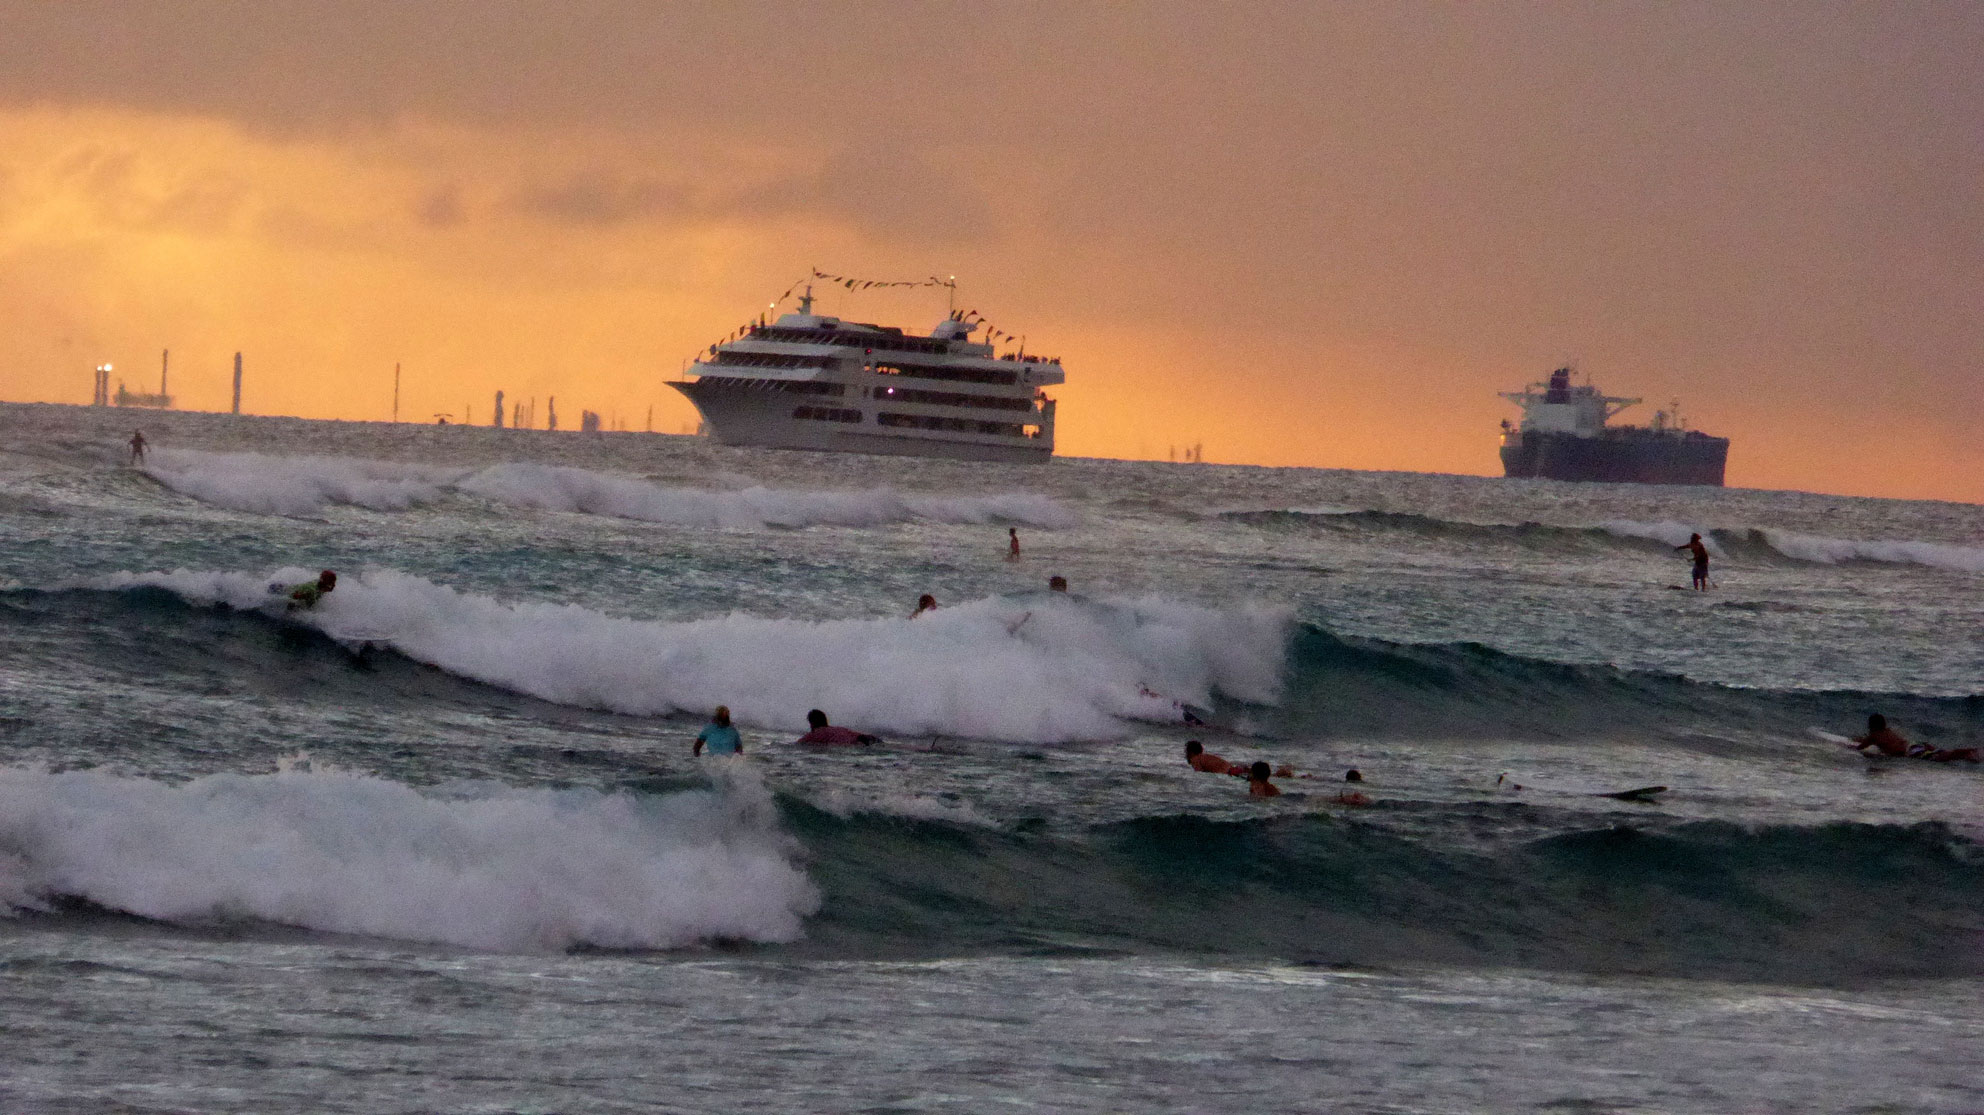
[381,637]
[1642,794]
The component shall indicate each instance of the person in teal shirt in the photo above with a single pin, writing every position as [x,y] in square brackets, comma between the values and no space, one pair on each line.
[719,736]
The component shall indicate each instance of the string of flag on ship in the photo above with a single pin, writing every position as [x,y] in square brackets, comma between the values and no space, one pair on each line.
[992,333]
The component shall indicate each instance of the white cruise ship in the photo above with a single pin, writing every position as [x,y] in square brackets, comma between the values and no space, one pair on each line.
[808,381]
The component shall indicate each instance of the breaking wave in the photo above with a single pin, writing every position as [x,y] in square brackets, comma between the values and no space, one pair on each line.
[536,869]
[298,486]
[479,866]
[1040,668]
[1751,543]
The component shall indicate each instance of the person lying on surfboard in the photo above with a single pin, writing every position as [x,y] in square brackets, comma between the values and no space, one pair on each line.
[1199,759]
[1890,742]
[308,593]
[826,735]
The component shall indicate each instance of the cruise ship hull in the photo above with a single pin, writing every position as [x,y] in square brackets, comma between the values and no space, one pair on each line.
[1617,456]
[765,418]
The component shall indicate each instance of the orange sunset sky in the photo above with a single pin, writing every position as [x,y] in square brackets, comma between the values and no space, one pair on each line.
[1316,234]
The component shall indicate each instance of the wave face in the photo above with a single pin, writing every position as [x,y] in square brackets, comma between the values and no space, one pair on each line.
[1042,668]
[482,866]
[297,486]
[528,870]
[1345,686]
[1749,543]
[1831,903]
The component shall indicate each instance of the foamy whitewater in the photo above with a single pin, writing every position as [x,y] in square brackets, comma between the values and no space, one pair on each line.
[439,842]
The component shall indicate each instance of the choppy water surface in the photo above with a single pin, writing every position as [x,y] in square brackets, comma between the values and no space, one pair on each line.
[439,844]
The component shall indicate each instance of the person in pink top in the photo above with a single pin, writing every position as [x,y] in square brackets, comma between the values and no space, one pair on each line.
[826,735]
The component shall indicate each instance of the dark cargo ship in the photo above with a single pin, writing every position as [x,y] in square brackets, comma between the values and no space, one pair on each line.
[1563,436]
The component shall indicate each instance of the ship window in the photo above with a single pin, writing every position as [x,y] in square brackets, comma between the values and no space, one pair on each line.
[827,414]
[958,425]
[957,375]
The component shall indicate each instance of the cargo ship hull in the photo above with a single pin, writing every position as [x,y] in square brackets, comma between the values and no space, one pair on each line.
[1618,455]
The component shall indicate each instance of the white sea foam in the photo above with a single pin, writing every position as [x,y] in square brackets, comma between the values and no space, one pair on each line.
[1830,551]
[270,485]
[275,485]
[919,807]
[1040,668]
[1809,547]
[485,867]
[1666,530]
[554,488]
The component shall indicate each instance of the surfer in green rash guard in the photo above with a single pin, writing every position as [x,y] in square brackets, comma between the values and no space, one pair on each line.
[308,593]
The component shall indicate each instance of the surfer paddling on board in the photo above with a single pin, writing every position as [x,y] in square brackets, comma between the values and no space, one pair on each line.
[1205,762]
[826,735]
[1889,742]
[308,593]
[1695,546]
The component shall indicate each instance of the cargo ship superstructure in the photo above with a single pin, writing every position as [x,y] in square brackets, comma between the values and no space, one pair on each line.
[810,381]
[1563,436]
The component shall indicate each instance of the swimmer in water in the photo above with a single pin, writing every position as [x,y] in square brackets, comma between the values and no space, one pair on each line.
[1057,583]
[1258,785]
[924,603]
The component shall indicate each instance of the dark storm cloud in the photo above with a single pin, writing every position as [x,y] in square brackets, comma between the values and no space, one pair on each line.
[604,197]
[881,190]
[878,190]
[440,207]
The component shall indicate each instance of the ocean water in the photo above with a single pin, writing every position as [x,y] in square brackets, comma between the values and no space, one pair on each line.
[440,845]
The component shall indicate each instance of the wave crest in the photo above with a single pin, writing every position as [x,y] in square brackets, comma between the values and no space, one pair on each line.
[1042,668]
[273,485]
[485,867]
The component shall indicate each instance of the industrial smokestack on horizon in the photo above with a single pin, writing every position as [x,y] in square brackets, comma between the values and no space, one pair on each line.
[237,383]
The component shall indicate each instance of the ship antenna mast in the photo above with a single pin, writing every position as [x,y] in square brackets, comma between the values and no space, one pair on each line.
[806,300]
